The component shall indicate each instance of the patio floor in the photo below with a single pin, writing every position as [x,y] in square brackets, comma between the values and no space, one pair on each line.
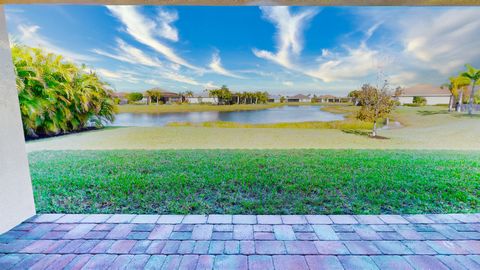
[57,241]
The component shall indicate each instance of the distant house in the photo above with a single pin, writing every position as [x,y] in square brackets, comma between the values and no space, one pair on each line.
[121,96]
[202,98]
[433,94]
[332,99]
[299,98]
[166,96]
[274,98]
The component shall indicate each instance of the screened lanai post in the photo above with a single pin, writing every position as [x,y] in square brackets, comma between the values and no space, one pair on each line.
[16,196]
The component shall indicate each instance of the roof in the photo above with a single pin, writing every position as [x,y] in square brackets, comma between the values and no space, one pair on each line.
[326,96]
[424,90]
[164,92]
[299,96]
[274,96]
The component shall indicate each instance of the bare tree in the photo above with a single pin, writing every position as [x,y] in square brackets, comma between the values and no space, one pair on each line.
[376,103]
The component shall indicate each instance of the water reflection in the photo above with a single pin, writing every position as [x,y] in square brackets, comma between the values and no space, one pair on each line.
[273,115]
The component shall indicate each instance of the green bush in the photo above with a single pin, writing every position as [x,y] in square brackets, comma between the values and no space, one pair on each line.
[419,100]
[134,97]
[57,96]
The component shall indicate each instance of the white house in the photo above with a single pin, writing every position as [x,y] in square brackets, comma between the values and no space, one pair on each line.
[433,94]
[299,98]
[202,98]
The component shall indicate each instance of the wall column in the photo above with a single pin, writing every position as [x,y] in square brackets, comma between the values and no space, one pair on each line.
[16,196]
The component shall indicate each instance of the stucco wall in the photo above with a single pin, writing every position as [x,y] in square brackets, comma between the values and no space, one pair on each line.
[16,197]
[430,100]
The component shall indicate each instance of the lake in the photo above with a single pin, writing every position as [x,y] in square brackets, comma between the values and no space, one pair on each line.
[272,115]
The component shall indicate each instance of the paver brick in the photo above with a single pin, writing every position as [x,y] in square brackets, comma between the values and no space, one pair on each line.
[145,219]
[472,246]
[216,247]
[205,262]
[231,262]
[219,219]
[260,262]
[222,236]
[121,262]
[140,247]
[283,232]
[293,219]
[27,261]
[183,227]
[201,247]
[369,219]
[202,232]
[270,247]
[343,219]
[47,218]
[425,262]
[232,247]
[357,262]
[188,262]
[362,248]
[121,247]
[289,262]
[393,219]
[180,235]
[137,235]
[194,219]
[392,262]
[325,232]
[223,228]
[243,232]
[10,260]
[244,219]
[102,246]
[86,246]
[120,231]
[172,262]
[155,262]
[323,262]
[318,219]
[446,247]
[170,219]
[155,247]
[171,247]
[262,228]
[45,262]
[269,219]
[422,219]
[331,248]
[247,247]
[301,247]
[71,218]
[120,218]
[420,248]
[100,261]
[161,232]
[392,247]
[138,261]
[186,247]
[78,262]
[96,218]
[307,236]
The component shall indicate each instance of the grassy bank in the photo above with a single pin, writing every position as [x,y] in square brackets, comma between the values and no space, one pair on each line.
[173,108]
[256,181]
[342,125]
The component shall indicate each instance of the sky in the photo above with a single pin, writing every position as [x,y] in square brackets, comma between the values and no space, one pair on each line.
[282,50]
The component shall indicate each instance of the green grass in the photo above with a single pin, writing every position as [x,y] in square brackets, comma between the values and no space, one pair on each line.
[174,108]
[343,125]
[256,181]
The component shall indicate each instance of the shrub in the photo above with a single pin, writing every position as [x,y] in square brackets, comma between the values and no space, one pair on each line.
[57,96]
[134,97]
[419,100]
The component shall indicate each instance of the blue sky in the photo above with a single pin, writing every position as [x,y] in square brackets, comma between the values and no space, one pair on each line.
[283,50]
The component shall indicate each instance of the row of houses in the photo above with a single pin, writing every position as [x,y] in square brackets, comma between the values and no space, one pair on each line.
[434,95]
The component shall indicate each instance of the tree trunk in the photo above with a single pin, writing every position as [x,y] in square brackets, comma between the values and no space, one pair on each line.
[450,104]
[472,94]
[374,131]
[460,101]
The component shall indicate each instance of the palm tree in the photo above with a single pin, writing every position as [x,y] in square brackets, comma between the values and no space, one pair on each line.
[455,86]
[474,75]
[57,96]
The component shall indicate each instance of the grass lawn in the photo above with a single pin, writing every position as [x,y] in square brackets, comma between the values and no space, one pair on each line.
[153,108]
[256,181]
[429,127]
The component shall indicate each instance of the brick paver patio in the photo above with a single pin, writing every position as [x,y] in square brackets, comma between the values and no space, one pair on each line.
[56,241]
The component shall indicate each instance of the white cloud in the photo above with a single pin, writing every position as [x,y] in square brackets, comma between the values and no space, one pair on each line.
[127,53]
[289,35]
[437,39]
[118,76]
[152,82]
[144,30]
[29,35]
[354,64]
[165,19]
[216,66]
[287,83]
